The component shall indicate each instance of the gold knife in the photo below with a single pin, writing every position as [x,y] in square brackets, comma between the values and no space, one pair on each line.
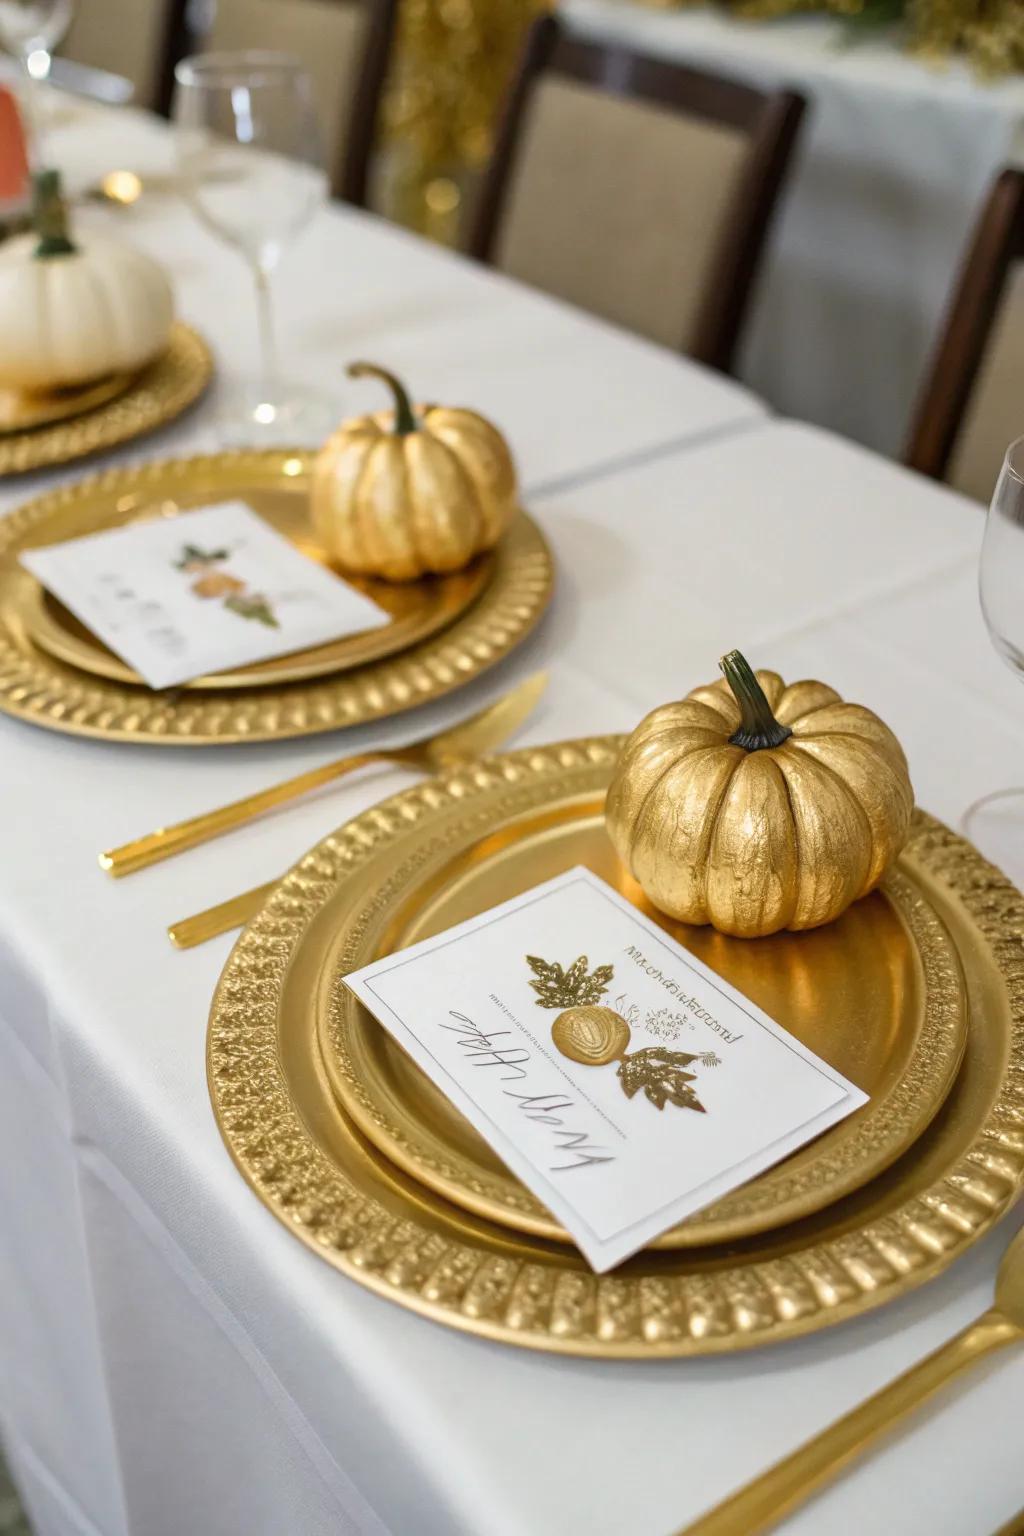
[460,743]
[763,1503]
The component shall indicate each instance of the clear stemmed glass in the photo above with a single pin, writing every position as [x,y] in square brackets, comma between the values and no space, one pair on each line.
[996,822]
[31,30]
[249,160]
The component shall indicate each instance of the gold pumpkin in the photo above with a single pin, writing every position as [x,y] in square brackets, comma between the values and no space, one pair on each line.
[755,806]
[401,497]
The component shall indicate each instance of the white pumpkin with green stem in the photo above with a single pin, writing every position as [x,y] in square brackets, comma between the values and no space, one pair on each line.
[72,312]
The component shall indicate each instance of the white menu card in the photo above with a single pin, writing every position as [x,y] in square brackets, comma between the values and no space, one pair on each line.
[695,1091]
[178,597]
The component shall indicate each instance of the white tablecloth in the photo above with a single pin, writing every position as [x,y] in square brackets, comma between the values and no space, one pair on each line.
[172,1360]
[895,161]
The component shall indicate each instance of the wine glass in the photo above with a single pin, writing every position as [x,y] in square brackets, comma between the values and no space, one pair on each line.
[996,822]
[31,30]
[249,159]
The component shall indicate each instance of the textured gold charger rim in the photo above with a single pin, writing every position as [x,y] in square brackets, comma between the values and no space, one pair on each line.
[778,1197]
[554,1303]
[154,396]
[47,693]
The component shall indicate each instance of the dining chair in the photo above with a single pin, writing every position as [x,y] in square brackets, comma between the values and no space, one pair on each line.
[126,37]
[638,189]
[972,405]
[344,45]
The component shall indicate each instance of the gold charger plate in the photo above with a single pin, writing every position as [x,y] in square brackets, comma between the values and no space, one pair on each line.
[151,399]
[22,411]
[276,486]
[312,1167]
[880,995]
[464,630]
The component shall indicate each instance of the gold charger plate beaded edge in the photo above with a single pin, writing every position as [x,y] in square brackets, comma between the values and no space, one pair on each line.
[314,1170]
[36,687]
[154,397]
[276,486]
[879,994]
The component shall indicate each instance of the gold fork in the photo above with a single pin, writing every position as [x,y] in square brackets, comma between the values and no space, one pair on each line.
[453,748]
[460,743]
[763,1502]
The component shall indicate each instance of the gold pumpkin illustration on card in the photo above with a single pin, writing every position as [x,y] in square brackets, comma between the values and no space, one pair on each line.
[210,577]
[587,1031]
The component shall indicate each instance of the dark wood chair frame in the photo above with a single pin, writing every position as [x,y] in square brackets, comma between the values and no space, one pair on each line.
[998,242]
[771,121]
[180,38]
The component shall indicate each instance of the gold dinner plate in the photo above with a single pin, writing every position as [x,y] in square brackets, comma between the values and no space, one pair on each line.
[277,488]
[443,634]
[315,1170]
[150,399]
[24,410]
[879,995]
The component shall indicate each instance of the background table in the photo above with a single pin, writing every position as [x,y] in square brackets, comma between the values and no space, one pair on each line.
[894,163]
[173,1360]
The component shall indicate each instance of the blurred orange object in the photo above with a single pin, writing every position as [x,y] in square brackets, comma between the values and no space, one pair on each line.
[14,174]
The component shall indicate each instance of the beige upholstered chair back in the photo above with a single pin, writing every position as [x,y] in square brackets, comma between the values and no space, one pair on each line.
[995,410]
[971,405]
[123,36]
[327,35]
[639,189]
[619,205]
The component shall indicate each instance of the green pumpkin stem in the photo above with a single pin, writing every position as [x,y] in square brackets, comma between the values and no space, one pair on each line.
[405,418]
[758,726]
[50,216]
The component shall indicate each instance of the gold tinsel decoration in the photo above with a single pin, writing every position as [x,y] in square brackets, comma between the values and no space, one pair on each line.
[989,32]
[455,58]
[454,61]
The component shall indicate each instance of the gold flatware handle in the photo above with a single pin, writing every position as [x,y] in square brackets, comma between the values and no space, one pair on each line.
[764,1502]
[226,915]
[468,739]
[165,842]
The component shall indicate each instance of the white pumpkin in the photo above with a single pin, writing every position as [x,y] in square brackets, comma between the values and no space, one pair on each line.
[70,312]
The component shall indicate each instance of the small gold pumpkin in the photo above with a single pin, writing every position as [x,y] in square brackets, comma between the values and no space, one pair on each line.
[590,1035]
[755,806]
[403,497]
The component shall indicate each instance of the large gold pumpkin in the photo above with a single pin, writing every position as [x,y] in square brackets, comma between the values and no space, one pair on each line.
[755,806]
[401,496]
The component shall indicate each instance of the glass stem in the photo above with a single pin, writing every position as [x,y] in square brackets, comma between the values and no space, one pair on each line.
[33,103]
[270,373]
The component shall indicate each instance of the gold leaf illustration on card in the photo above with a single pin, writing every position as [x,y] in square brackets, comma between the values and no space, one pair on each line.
[594,1035]
[573,988]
